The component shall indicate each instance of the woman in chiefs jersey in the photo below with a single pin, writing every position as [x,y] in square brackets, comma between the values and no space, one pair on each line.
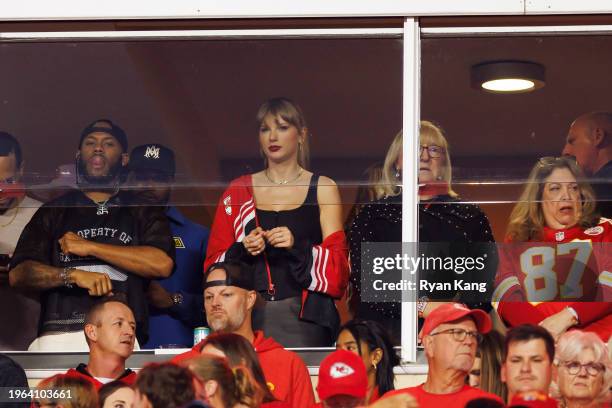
[286,222]
[556,263]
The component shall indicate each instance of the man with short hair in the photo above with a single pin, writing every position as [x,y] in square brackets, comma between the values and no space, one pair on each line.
[589,140]
[176,301]
[229,297]
[164,385]
[16,210]
[450,336]
[110,332]
[89,242]
[527,361]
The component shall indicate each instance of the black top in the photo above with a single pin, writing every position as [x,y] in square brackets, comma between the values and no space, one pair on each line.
[63,309]
[304,223]
[464,227]
[603,190]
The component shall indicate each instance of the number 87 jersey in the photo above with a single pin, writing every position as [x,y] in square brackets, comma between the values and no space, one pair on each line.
[565,268]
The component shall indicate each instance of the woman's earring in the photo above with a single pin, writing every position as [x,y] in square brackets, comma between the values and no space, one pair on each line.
[398,173]
[374,366]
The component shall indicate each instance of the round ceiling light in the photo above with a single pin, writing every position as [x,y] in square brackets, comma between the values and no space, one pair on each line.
[508,76]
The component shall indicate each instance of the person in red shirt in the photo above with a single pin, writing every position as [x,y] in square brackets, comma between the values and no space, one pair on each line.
[556,268]
[343,381]
[369,340]
[529,352]
[450,336]
[229,297]
[110,330]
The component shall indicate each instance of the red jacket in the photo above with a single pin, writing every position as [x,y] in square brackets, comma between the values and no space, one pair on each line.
[323,268]
[563,269]
[128,377]
[286,374]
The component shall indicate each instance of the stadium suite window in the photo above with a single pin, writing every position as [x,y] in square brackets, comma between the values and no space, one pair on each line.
[200,97]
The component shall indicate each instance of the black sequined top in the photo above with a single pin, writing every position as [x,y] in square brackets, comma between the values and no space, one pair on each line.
[460,229]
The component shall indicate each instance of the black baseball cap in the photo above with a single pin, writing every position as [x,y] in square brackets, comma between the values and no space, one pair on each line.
[152,156]
[105,126]
[237,274]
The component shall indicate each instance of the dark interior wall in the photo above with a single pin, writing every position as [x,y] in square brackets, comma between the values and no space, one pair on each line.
[200,98]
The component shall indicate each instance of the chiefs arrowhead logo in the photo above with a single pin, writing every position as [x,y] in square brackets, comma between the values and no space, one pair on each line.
[340,370]
[594,231]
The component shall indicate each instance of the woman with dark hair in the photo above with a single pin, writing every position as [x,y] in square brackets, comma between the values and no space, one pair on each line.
[369,340]
[555,265]
[287,223]
[239,352]
[485,372]
[116,394]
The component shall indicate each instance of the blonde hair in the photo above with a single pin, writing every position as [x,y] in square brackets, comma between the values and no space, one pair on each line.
[432,134]
[236,385]
[389,184]
[571,345]
[527,218]
[70,392]
[290,112]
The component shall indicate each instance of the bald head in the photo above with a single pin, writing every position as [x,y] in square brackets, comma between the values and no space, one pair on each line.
[590,140]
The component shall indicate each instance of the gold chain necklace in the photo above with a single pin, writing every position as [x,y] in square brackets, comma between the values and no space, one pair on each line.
[12,219]
[283,182]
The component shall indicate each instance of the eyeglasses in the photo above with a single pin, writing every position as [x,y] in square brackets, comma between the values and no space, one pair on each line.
[435,152]
[592,369]
[460,334]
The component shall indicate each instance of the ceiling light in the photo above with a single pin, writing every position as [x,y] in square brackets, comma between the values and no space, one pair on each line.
[508,76]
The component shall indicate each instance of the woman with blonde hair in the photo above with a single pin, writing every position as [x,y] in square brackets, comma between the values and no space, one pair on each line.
[458,229]
[225,387]
[583,371]
[556,255]
[286,222]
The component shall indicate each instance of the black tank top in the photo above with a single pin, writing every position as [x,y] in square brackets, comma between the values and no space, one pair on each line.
[305,225]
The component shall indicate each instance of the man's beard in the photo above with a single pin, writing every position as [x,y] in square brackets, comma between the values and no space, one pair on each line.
[84,179]
[229,325]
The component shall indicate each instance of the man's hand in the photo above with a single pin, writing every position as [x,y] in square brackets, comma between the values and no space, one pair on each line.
[280,237]
[158,296]
[73,244]
[97,284]
[254,242]
[558,323]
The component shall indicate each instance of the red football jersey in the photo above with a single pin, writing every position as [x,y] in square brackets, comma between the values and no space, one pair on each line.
[570,267]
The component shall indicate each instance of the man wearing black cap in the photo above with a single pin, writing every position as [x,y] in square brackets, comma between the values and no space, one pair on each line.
[177,301]
[88,243]
[229,298]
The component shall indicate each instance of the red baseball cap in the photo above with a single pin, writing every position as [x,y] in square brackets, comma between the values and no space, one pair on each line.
[342,373]
[450,312]
[533,399]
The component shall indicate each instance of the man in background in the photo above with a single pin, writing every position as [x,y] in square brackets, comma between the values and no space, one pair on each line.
[589,140]
[176,302]
[91,242]
[529,352]
[19,318]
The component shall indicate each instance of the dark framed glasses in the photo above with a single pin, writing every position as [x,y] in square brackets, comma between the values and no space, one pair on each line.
[460,334]
[435,152]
